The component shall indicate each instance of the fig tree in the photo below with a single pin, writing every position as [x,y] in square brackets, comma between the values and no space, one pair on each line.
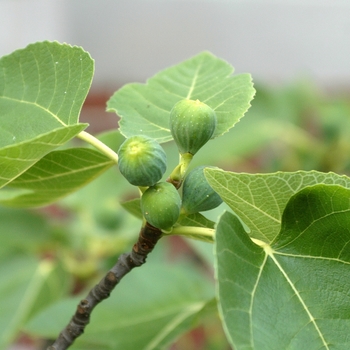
[197,195]
[142,160]
[192,124]
[160,205]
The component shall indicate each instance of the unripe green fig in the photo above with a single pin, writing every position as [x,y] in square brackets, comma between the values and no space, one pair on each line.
[197,195]
[160,205]
[142,160]
[192,124]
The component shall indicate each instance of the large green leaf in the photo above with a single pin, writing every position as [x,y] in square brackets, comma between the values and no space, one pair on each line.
[22,231]
[28,285]
[151,308]
[54,176]
[295,293]
[144,108]
[259,199]
[42,89]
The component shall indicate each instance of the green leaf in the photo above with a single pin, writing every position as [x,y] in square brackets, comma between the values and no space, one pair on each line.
[197,220]
[295,293]
[145,108]
[22,231]
[18,158]
[259,199]
[168,305]
[133,207]
[42,89]
[29,285]
[54,176]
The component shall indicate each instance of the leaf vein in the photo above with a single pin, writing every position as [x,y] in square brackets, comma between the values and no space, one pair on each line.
[311,318]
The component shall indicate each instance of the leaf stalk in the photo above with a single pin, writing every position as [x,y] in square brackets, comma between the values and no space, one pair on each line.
[193,231]
[92,140]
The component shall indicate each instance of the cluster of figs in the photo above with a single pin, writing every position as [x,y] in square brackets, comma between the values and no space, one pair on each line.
[142,161]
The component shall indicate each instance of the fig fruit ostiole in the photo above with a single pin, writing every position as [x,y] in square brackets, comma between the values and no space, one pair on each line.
[142,160]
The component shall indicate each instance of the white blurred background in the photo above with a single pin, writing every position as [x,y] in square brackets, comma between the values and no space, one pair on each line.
[275,41]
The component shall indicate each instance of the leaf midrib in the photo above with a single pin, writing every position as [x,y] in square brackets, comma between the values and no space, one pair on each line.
[29,297]
[75,171]
[312,257]
[36,105]
[271,253]
[174,322]
[194,81]
[166,311]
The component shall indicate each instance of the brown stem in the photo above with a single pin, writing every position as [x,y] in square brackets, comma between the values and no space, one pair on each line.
[148,238]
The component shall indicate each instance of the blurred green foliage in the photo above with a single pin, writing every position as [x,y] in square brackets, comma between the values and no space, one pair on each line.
[50,255]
